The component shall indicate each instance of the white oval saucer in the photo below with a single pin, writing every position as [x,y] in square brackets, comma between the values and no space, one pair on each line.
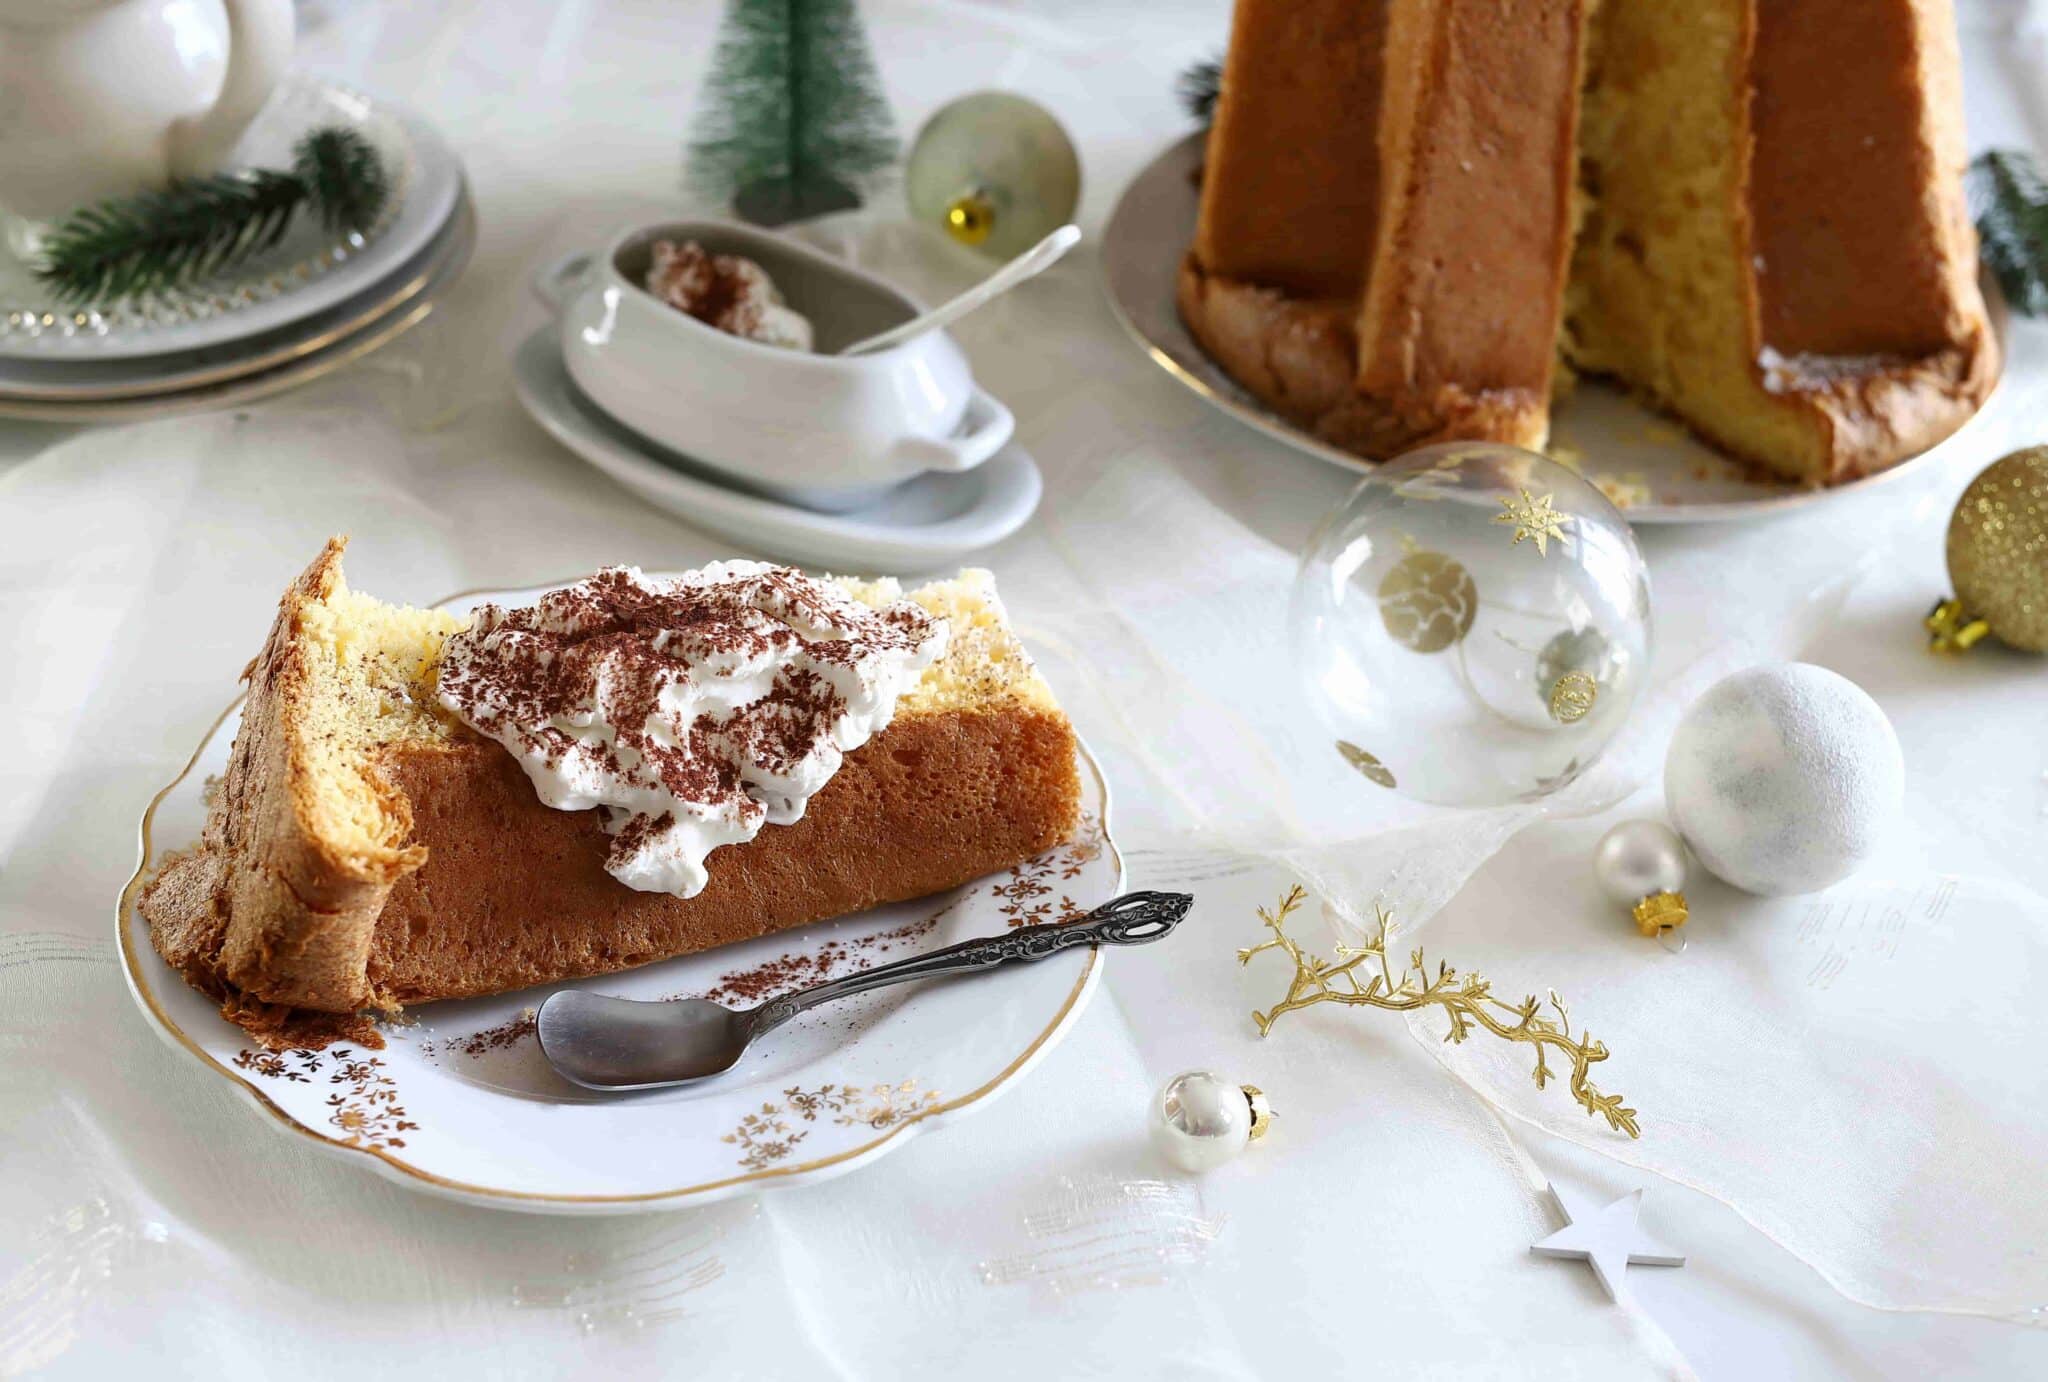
[928,522]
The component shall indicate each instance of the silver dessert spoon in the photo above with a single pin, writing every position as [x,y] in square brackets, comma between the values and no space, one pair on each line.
[1029,264]
[624,1043]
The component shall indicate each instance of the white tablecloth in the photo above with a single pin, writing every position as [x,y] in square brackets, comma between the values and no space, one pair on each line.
[148,1222]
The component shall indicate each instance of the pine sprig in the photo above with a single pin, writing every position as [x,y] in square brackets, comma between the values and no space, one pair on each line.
[2011,204]
[1198,88]
[344,178]
[178,234]
[145,245]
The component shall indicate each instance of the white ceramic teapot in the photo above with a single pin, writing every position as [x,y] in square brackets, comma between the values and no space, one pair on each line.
[106,98]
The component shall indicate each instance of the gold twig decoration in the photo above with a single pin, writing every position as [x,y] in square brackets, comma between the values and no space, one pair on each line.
[1467,1000]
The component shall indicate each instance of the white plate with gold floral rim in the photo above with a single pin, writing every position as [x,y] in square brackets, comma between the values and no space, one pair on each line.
[1649,466]
[309,270]
[461,1103]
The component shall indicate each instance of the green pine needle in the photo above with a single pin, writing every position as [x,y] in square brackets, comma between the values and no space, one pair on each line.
[178,234]
[793,98]
[144,246]
[342,173]
[2012,226]
[1199,86]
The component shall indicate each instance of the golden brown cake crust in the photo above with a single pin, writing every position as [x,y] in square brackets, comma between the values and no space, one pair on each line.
[514,893]
[1478,160]
[1290,197]
[1867,287]
[1300,358]
[298,915]
[488,890]
[1441,143]
[1870,419]
[1386,217]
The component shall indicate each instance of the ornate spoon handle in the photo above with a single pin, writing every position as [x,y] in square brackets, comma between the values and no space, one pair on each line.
[1133,919]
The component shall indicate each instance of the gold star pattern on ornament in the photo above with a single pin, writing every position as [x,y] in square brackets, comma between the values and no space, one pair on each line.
[1534,518]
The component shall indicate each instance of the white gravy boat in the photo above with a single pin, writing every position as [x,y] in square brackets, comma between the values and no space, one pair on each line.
[823,431]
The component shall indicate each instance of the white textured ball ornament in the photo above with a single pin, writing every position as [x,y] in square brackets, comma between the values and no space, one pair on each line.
[1201,1120]
[1783,779]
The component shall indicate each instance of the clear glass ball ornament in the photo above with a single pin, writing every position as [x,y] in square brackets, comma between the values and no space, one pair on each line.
[995,171]
[1473,624]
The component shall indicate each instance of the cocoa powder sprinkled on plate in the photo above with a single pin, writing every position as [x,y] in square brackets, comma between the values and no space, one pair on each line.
[739,988]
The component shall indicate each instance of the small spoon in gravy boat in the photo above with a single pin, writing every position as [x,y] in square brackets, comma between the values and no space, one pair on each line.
[1029,264]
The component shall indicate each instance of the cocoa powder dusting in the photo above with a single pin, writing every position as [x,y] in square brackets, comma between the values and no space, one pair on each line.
[619,651]
[502,1037]
[786,973]
[720,290]
[738,988]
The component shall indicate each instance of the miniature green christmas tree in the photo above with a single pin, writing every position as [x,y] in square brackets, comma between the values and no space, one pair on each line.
[792,121]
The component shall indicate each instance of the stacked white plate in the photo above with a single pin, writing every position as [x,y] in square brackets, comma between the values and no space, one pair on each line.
[310,304]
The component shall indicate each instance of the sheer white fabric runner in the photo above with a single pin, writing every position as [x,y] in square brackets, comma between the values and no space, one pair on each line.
[1857,1074]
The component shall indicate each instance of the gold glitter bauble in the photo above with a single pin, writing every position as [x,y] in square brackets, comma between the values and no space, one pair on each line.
[1998,550]
[1428,602]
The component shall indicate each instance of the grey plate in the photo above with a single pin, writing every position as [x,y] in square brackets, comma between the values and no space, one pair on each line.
[1646,462]
[444,263]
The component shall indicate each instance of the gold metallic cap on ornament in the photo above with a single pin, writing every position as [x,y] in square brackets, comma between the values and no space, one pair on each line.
[971,218]
[1660,912]
[1262,1112]
[1951,629]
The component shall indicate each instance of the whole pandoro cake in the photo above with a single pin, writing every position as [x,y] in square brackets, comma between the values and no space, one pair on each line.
[421,805]
[1750,213]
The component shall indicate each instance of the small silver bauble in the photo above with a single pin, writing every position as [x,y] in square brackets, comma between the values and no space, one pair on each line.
[1784,779]
[1201,1120]
[1641,866]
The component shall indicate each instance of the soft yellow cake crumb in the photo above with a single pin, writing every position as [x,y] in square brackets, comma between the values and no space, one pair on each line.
[1658,293]
[372,689]
[984,662]
[374,666]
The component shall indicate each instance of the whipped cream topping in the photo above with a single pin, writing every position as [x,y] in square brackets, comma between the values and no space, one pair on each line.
[727,291]
[692,710]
